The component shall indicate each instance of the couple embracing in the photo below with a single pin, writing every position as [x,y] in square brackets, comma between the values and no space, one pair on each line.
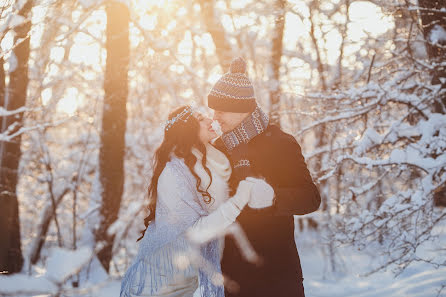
[205,193]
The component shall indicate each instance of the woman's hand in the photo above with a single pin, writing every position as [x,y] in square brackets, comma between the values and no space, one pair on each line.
[243,193]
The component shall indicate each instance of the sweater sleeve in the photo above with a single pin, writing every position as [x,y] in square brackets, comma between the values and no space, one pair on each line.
[296,193]
[215,224]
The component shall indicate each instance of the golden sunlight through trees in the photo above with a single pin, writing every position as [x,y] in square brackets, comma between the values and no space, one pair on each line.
[360,85]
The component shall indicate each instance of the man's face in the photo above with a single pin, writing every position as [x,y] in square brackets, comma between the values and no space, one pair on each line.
[229,120]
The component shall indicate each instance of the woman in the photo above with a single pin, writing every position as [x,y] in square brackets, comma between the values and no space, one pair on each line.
[188,205]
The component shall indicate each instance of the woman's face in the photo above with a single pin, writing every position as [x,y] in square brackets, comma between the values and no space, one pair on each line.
[207,133]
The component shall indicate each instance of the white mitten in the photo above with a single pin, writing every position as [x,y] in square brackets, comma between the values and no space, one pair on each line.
[243,194]
[262,194]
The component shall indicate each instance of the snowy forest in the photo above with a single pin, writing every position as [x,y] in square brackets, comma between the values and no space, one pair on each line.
[86,84]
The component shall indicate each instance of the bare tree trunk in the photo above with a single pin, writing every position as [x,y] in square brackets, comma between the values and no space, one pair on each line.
[11,259]
[339,79]
[314,5]
[321,130]
[433,17]
[2,83]
[215,28]
[4,217]
[276,55]
[112,150]
[43,226]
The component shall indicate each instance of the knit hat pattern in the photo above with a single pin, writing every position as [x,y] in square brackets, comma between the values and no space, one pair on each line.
[233,92]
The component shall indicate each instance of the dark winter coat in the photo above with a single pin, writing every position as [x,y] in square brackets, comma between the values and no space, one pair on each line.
[276,156]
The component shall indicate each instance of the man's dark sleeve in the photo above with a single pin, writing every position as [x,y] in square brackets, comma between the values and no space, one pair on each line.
[295,192]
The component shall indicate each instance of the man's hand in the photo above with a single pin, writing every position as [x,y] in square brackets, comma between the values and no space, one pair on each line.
[262,194]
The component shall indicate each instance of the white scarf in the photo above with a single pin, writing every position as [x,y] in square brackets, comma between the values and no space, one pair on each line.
[220,168]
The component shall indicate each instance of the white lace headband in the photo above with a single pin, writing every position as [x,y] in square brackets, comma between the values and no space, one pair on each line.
[182,116]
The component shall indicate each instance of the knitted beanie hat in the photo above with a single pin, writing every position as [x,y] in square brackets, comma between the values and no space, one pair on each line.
[233,92]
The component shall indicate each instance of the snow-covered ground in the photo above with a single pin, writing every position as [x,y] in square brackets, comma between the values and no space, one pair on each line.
[419,279]
[349,279]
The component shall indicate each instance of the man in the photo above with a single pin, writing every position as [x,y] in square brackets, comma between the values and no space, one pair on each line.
[257,148]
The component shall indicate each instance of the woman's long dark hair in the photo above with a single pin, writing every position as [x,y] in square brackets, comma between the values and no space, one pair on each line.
[180,138]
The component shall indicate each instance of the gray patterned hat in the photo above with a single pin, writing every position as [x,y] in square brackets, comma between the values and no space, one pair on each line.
[233,92]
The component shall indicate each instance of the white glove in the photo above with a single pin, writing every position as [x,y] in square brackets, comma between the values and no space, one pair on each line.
[262,194]
[243,194]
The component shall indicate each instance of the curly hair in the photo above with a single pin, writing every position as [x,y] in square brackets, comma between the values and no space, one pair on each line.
[180,138]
